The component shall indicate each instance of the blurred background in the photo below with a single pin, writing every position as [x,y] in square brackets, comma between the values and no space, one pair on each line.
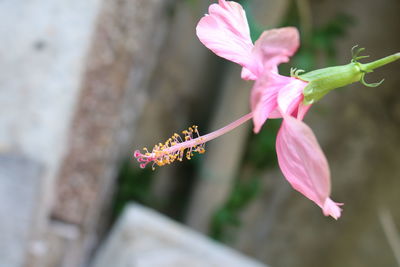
[85,83]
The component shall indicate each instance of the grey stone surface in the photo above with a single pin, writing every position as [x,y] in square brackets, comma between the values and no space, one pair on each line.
[60,239]
[43,50]
[123,54]
[42,63]
[19,191]
[144,238]
[113,92]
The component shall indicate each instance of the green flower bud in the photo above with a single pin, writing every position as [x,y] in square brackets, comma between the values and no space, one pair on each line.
[321,81]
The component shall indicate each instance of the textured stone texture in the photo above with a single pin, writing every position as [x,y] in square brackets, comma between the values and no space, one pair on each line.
[42,63]
[43,50]
[60,239]
[143,238]
[119,65]
[123,54]
[19,192]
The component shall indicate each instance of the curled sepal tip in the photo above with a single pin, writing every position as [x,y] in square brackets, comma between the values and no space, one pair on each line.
[355,52]
[295,73]
[370,84]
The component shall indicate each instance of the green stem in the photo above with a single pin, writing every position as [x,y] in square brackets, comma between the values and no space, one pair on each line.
[368,67]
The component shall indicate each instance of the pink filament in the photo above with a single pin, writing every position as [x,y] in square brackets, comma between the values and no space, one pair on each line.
[145,158]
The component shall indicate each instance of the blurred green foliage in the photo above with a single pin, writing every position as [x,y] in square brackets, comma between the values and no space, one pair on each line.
[226,219]
[137,185]
[319,42]
[261,149]
[133,184]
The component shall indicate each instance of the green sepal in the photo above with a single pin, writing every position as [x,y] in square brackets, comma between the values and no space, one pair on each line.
[322,81]
[370,84]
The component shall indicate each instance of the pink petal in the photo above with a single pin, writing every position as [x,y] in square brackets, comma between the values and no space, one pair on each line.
[226,32]
[247,74]
[273,48]
[275,114]
[331,208]
[304,164]
[270,90]
[263,99]
[302,111]
[291,95]
[298,113]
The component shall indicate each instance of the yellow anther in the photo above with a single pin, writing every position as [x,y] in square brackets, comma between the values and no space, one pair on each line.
[201,150]
[166,153]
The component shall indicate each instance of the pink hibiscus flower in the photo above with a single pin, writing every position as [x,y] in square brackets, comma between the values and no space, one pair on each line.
[226,32]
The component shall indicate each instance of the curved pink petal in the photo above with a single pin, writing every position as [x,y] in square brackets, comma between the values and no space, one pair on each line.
[273,93]
[302,111]
[304,164]
[263,99]
[226,32]
[247,74]
[291,95]
[298,113]
[331,208]
[273,48]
